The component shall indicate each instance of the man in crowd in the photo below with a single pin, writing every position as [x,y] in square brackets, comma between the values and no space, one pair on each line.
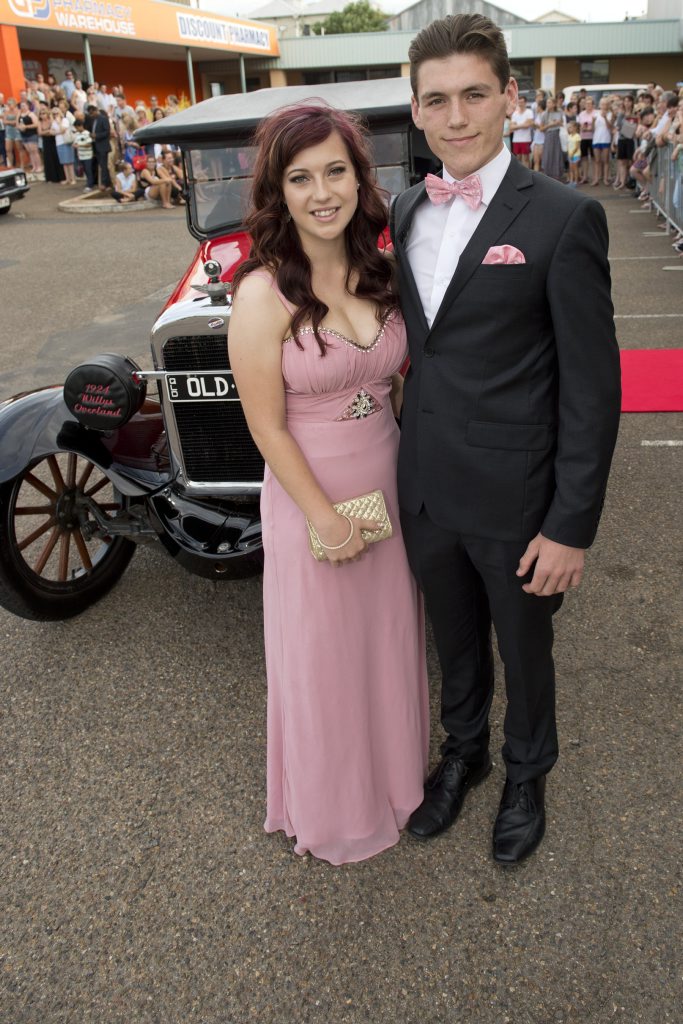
[100,131]
[68,85]
[521,122]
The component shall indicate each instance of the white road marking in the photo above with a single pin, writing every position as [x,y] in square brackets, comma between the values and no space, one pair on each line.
[679,267]
[614,259]
[640,211]
[662,444]
[653,234]
[647,316]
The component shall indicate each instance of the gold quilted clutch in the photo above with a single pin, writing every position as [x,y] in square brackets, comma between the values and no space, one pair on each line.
[365,506]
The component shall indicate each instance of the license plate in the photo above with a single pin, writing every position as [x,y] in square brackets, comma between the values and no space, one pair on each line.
[5,201]
[201,387]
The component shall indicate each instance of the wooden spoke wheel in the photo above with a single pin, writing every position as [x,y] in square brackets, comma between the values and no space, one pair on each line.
[55,558]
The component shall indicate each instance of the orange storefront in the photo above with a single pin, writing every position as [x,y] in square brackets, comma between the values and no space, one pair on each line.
[149,46]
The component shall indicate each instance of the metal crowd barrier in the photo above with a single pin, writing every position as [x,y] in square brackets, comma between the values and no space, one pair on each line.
[666,186]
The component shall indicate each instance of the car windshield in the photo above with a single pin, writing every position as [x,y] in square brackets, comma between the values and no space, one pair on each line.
[219,179]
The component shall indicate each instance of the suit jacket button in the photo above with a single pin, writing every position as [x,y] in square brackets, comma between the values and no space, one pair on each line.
[429,352]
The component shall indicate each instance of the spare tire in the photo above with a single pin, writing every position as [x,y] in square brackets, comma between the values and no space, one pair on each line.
[104,393]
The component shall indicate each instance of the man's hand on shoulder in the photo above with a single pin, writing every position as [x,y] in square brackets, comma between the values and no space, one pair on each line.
[558,567]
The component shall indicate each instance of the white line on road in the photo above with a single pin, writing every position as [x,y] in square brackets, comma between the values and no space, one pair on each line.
[662,444]
[653,234]
[639,211]
[679,267]
[613,259]
[647,316]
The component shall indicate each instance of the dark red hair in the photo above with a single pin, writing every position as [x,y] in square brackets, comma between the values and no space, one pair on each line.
[275,242]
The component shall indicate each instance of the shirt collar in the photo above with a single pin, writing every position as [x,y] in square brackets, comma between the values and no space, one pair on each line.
[491,174]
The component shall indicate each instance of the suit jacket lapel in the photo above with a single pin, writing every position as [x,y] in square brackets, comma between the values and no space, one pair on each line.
[402,229]
[505,206]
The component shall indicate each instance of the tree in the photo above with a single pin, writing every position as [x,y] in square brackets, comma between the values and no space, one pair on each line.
[358,16]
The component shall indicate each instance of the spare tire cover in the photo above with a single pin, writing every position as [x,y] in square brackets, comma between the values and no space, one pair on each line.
[103,394]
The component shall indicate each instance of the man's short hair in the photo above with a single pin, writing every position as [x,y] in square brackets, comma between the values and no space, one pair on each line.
[91,108]
[460,33]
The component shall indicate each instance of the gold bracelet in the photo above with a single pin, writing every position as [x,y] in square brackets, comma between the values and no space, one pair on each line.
[336,547]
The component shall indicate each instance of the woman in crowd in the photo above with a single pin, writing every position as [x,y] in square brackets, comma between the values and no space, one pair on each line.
[538,139]
[27,123]
[626,124]
[128,146]
[602,142]
[551,121]
[316,342]
[645,143]
[47,130]
[155,186]
[128,188]
[64,140]
[586,123]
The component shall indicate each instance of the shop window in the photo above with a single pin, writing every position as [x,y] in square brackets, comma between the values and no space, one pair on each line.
[524,73]
[593,72]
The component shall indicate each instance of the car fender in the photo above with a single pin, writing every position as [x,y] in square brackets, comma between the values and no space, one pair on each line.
[38,423]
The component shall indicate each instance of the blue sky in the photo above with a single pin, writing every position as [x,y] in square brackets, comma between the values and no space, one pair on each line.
[584,10]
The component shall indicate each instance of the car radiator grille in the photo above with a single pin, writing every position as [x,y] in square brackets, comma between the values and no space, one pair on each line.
[215,440]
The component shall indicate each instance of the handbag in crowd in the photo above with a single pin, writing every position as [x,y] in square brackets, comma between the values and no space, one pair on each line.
[365,506]
[139,161]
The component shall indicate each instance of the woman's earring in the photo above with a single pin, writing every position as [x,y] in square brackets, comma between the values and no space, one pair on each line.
[357,185]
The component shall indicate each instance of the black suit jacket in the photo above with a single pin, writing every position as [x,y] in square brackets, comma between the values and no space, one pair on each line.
[512,400]
[101,132]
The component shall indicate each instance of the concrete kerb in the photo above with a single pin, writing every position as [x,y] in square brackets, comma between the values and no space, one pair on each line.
[98,202]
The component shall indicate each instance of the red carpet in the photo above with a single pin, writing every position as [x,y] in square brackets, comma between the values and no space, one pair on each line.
[652,380]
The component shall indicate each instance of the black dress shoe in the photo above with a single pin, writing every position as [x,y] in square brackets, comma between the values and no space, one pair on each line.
[520,824]
[445,791]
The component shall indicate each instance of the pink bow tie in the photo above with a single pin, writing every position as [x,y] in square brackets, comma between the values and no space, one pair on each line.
[469,189]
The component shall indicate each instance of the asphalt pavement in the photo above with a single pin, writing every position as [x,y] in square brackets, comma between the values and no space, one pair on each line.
[137,883]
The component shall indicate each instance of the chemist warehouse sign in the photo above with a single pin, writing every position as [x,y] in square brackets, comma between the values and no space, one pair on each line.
[143,19]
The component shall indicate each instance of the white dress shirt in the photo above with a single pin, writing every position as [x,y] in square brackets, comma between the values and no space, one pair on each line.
[438,234]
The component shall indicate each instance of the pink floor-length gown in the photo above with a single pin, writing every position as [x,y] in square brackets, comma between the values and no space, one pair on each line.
[348,716]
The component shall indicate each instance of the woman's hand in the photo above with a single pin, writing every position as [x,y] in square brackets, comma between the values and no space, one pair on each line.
[341,537]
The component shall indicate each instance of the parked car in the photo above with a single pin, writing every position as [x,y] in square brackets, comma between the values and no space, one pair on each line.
[598,91]
[119,455]
[13,186]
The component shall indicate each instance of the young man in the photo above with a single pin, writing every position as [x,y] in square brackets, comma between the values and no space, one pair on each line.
[509,419]
[522,122]
[100,131]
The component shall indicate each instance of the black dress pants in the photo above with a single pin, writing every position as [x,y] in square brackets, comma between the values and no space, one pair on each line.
[101,160]
[468,583]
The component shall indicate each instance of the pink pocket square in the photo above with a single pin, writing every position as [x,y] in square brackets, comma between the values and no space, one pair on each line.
[503,254]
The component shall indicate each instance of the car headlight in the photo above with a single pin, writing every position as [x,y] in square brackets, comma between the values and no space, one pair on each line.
[20,179]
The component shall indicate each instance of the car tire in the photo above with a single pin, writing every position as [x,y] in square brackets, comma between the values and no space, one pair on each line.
[50,569]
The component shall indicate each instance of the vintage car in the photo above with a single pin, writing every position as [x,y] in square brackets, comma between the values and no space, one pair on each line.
[119,455]
[13,186]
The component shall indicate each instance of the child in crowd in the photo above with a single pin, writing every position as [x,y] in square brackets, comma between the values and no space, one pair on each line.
[573,153]
[82,143]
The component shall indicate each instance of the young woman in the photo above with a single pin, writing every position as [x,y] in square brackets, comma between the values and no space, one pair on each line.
[154,185]
[64,139]
[316,343]
[602,141]
[551,120]
[586,123]
[27,123]
[13,147]
[626,125]
[47,130]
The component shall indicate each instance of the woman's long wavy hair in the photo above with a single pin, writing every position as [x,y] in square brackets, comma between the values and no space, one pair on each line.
[275,243]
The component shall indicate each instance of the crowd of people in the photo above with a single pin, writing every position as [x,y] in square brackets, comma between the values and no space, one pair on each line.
[73,135]
[583,144]
[70,134]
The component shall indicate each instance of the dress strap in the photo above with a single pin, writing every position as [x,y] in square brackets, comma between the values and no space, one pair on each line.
[273,284]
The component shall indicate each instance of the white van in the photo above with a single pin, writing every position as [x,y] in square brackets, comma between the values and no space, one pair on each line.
[605,89]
